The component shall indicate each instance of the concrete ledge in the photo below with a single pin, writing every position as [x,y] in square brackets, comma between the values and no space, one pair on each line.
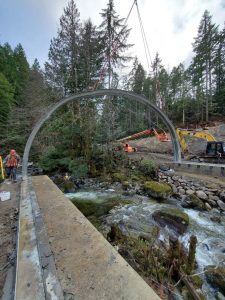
[88,267]
[29,283]
[200,168]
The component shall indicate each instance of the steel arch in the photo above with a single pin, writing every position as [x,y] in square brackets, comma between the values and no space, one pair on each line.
[87,95]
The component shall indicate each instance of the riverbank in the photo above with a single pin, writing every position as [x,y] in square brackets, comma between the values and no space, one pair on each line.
[135,222]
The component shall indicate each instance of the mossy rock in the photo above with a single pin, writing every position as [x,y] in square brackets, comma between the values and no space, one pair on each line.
[216,277]
[157,190]
[173,218]
[126,185]
[192,201]
[135,178]
[91,208]
[68,186]
[119,177]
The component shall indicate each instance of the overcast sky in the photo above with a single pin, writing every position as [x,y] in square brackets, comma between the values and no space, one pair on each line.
[170,25]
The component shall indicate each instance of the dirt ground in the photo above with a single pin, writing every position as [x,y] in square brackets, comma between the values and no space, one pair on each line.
[195,145]
[8,230]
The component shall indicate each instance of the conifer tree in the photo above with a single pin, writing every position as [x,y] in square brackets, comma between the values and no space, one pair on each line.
[204,49]
[90,55]
[114,35]
[62,67]
[22,72]
[219,73]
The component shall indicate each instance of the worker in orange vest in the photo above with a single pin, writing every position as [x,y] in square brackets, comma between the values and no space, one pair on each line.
[128,148]
[11,163]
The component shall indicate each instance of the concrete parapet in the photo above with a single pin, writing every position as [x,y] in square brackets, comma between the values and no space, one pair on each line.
[88,267]
[200,168]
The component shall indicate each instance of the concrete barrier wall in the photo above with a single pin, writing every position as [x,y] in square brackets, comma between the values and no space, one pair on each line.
[88,267]
[200,168]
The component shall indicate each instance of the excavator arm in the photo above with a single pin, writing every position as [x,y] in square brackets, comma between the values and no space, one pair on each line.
[181,133]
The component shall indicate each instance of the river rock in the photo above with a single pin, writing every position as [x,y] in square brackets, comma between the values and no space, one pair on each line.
[215,198]
[216,277]
[211,202]
[173,218]
[157,190]
[181,191]
[207,206]
[222,195]
[174,188]
[176,183]
[201,195]
[189,192]
[169,180]
[221,204]
[215,211]
[192,201]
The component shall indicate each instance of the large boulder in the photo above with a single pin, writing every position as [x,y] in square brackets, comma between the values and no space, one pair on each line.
[192,201]
[157,190]
[216,277]
[173,218]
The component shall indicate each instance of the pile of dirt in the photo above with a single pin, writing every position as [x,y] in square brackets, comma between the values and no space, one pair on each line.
[151,144]
[218,132]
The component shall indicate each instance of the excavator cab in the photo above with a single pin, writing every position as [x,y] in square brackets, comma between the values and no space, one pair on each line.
[215,149]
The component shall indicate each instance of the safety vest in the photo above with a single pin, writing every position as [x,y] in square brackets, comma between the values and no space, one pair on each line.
[12,161]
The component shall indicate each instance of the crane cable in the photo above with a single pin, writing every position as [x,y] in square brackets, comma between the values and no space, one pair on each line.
[114,48]
[148,55]
[145,42]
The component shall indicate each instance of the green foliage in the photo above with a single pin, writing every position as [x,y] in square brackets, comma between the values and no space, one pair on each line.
[78,168]
[53,161]
[148,168]
[6,99]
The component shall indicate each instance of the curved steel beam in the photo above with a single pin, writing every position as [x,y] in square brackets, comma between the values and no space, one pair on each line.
[87,95]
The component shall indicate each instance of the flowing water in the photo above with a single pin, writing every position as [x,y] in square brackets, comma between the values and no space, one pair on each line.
[135,216]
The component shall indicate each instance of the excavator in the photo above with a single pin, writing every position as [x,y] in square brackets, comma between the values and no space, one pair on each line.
[161,136]
[215,150]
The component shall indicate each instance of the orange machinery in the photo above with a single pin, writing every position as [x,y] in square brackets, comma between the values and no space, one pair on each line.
[162,137]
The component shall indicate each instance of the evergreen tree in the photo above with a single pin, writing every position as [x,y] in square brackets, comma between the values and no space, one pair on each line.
[22,72]
[90,55]
[137,78]
[62,67]
[114,35]
[204,49]
[157,68]
[6,101]
[219,72]
[7,64]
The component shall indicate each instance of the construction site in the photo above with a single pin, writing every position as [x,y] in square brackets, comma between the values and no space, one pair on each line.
[112,171]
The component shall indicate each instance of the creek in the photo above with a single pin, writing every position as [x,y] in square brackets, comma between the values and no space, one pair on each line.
[133,214]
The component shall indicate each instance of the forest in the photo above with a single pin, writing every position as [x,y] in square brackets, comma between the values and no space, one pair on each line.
[78,54]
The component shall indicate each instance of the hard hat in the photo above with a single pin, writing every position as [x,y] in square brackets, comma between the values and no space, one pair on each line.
[13,152]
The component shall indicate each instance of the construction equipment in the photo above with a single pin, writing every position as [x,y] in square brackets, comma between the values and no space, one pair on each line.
[181,133]
[162,136]
[2,169]
[215,150]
